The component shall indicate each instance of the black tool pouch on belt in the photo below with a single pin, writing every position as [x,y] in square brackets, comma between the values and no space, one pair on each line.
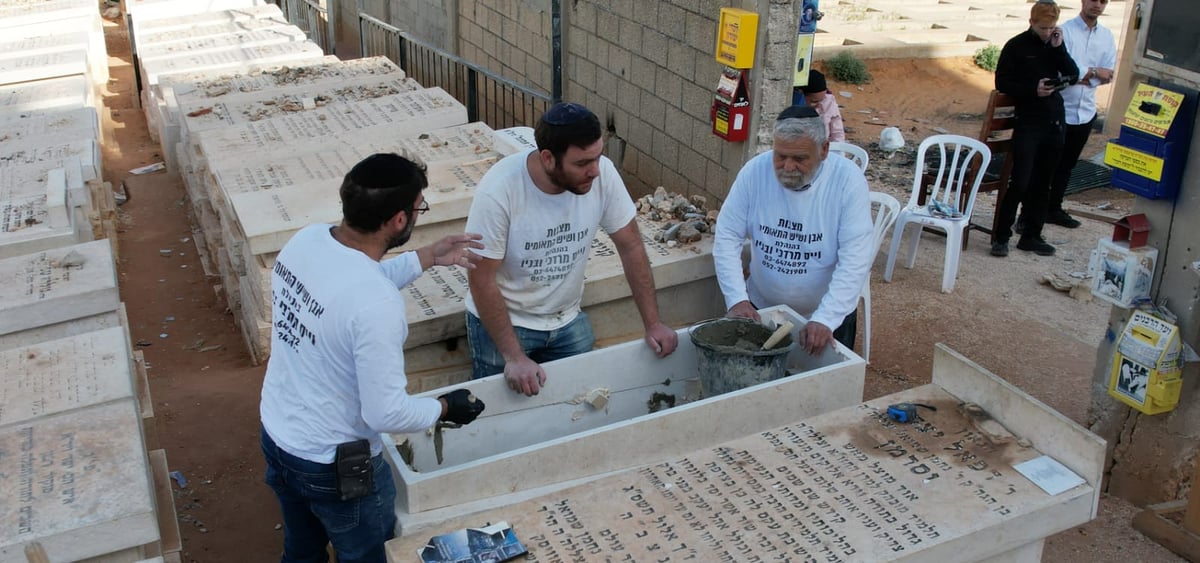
[355,475]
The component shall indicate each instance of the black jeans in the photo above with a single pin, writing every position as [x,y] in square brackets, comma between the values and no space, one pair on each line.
[1036,148]
[1075,138]
[847,332]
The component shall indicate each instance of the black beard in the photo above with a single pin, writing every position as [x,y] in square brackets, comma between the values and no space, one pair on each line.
[556,179]
[400,238]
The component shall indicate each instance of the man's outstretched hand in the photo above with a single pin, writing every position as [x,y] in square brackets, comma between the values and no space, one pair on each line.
[454,250]
[461,406]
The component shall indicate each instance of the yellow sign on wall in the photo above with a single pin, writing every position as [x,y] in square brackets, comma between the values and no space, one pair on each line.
[736,34]
[1137,162]
[1152,110]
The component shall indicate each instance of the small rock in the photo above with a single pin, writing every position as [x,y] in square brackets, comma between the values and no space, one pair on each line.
[688,233]
[162,335]
[940,130]
[1103,205]
[169,319]
[846,94]
[279,526]
[111,13]
[165,252]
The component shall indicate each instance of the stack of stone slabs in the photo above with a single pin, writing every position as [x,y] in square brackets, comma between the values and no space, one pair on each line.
[169,30]
[192,108]
[174,38]
[72,413]
[50,39]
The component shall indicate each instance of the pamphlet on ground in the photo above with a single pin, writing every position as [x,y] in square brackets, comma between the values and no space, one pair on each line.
[1047,473]
[490,544]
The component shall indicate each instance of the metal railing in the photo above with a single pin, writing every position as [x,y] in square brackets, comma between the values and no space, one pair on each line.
[310,17]
[489,97]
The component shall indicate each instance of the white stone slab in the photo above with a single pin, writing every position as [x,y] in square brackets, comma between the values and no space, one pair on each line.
[65,375]
[157,38]
[269,218]
[16,14]
[522,443]
[422,110]
[39,289]
[21,47]
[44,65]
[145,27]
[77,483]
[63,329]
[847,485]
[67,93]
[147,54]
[514,140]
[155,9]
[226,111]
[81,122]
[217,61]
[331,160]
[51,153]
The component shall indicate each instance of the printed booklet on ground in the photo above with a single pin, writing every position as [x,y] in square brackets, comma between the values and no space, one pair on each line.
[490,544]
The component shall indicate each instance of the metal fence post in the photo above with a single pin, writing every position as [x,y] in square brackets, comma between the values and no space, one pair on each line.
[472,97]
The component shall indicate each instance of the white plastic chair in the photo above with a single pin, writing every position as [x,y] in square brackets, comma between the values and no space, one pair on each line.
[851,151]
[953,189]
[885,208]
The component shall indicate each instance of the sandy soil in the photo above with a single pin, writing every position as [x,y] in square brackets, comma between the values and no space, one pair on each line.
[206,394]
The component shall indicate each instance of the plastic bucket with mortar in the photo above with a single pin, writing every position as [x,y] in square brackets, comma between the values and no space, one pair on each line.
[730,355]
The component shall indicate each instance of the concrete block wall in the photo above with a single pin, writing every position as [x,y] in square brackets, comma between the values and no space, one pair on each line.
[433,22]
[647,69]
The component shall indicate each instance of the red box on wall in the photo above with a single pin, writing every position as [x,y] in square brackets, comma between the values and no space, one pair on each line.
[731,107]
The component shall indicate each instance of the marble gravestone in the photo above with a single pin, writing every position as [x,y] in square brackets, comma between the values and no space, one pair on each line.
[148,28]
[651,408]
[847,485]
[422,110]
[77,483]
[148,52]
[216,61]
[67,92]
[44,65]
[79,122]
[57,285]
[64,375]
[270,217]
[159,38]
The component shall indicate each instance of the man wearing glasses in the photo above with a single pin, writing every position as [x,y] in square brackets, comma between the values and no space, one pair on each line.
[336,378]
[808,219]
[538,212]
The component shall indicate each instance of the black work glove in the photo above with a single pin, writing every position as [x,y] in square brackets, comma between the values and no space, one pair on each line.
[462,406]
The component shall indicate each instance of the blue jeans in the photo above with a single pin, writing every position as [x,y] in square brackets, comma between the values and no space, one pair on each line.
[540,345]
[313,515]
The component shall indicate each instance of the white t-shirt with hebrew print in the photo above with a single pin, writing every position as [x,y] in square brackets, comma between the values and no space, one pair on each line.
[336,372]
[543,240]
[810,250]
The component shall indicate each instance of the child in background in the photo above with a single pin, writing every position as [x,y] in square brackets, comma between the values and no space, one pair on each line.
[819,97]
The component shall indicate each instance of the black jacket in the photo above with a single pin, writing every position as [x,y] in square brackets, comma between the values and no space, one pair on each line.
[1024,61]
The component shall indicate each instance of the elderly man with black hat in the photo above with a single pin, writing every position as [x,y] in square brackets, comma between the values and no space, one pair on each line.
[817,95]
[808,219]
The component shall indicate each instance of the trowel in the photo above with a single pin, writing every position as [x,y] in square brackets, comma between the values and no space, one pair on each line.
[783,330]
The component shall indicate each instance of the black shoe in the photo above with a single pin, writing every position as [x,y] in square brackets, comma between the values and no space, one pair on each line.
[1000,249]
[1062,219]
[1036,245]
[1019,226]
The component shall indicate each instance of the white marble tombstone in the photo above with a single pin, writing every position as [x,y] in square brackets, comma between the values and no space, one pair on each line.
[81,122]
[42,66]
[67,93]
[76,483]
[148,52]
[57,285]
[653,409]
[846,485]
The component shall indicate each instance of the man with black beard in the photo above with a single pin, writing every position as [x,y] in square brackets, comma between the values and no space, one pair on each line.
[538,212]
[336,379]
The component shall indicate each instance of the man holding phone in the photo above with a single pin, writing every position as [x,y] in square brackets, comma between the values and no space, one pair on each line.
[336,379]
[1033,67]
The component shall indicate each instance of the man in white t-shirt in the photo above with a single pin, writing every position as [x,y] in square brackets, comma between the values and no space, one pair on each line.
[1094,51]
[808,219]
[336,379]
[538,212]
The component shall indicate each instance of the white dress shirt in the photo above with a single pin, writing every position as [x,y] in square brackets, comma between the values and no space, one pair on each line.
[1092,47]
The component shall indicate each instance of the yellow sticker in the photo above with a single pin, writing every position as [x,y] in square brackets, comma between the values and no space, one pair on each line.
[1137,162]
[1152,110]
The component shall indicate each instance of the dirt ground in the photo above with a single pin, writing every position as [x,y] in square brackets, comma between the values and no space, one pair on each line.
[206,393]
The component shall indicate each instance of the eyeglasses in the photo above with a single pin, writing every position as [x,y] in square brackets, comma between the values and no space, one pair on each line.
[421,209]
[566,113]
